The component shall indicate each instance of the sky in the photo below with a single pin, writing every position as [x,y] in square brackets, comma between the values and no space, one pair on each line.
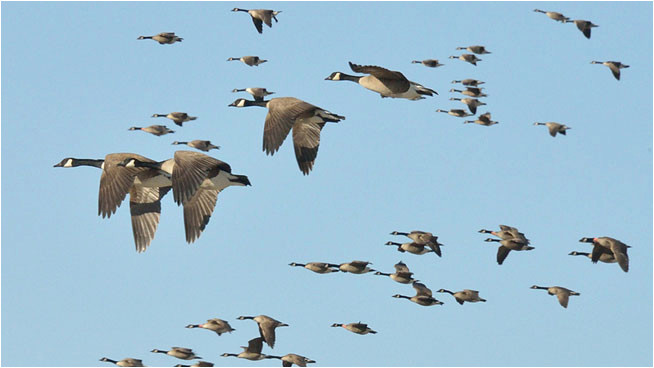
[75,78]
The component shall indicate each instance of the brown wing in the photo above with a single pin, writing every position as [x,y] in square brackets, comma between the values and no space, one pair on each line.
[116,181]
[615,70]
[255,345]
[258,24]
[145,208]
[282,113]
[395,81]
[267,331]
[421,289]
[502,252]
[191,169]
[197,212]
[306,140]
[401,267]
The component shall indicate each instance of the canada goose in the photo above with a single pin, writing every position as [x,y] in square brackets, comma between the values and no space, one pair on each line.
[479,50]
[256,92]
[317,267]
[483,119]
[386,82]
[144,187]
[555,128]
[584,26]
[615,67]
[250,352]
[507,246]
[196,180]
[177,117]
[423,296]
[306,120]
[472,103]
[260,16]
[470,91]
[216,325]
[432,63]
[554,15]
[423,238]
[356,267]
[249,60]
[470,58]
[177,352]
[163,38]
[459,113]
[127,362]
[267,327]
[604,257]
[609,245]
[507,233]
[157,130]
[562,293]
[205,146]
[200,363]
[465,295]
[289,359]
[357,328]
[401,274]
[413,247]
[469,82]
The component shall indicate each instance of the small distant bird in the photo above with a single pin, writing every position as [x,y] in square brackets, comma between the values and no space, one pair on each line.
[584,26]
[469,82]
[483,119]
[306,121]
[413,247]
[423,296]
[216,325]
[508,245]
[267,326]
[604,257]
[165,38]
[561,293]
[289,359]
[615,67]
[401,274]
[249,60]
[456,112]
[357,328]
[472,103]
[205,146]
[423,238]
[470,58]
[250,352]
[470,91]
[177,352]
[157,130]
[127,362]
[607,245]
[554,15]
[317,267]
[506,233]
[260,16]
[356,267]
[475,49]
[465,295]
[555,128]
[432,63]
[177,117]
[256,92]
[200,363]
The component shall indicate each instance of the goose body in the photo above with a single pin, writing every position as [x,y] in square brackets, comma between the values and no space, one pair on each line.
[386,82]
[607,245]
[289,359]
[177,117]
[468,58]
[257,92]
[157,130]
[401,274]
[249,60]
[267,326]
[459,113]
[202,145]
[216,325]
[412,247]
[260,16]
[196,180]
[507,233]
[508,245]
[127,362]
[561,293]
[469,82]
[356,267]
[584,26]
[250,352]
[200,363]
[554,15]
[177,352]
[483,119]
[470,91]
[465,295]
[145,189]
[604,257]
[357,328]
[317,267]
[432,63]
[472,103]
[615,67]
[164,38]
[479,50]
[306,121]
[423,296]
[555,128]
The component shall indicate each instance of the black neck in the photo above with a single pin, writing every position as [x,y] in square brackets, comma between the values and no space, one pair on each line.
[87,162]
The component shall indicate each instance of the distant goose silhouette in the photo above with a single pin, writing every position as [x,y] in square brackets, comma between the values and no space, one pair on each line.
[157,130]
[163,38]
[260,16]
[177,117]
[615,67]
[249,60]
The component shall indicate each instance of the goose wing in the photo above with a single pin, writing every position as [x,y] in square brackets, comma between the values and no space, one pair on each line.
[502,252]
[563,296]
[255,345]
[191,169]
[393,80]
[421,289]
[282,114]
[267,332]
[258,24]
[402,268]
[554,128]
[619,250]
[145,208]
[197,212]
[116,181]
[306,140]
[615,70]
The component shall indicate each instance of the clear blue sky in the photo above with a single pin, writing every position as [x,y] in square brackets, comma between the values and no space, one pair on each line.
[75,78]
